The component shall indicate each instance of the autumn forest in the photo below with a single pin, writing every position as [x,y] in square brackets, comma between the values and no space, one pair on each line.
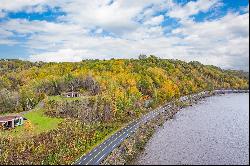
[113,92]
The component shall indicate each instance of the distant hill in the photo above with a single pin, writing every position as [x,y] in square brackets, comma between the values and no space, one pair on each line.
[239,73]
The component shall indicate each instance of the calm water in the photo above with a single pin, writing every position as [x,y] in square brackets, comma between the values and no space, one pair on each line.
[215,131]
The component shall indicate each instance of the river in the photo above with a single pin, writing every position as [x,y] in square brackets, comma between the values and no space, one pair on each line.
[214,131]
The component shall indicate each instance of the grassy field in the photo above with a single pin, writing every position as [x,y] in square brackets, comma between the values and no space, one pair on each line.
[38,121]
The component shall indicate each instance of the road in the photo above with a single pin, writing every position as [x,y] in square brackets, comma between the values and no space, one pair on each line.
[95,156]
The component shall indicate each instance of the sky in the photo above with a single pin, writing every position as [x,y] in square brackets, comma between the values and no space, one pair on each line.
[213,32]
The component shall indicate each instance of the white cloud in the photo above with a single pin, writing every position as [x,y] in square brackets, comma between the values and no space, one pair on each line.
[135,28]
[99,30]
[64,55]
[19,5]
[191,8]
[219,42]
[118,17]
[23,26]
[155,20]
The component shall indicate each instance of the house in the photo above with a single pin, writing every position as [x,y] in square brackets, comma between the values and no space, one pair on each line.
[11,121]
[71,94]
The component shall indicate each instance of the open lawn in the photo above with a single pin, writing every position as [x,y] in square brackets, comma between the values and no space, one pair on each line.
[39,123]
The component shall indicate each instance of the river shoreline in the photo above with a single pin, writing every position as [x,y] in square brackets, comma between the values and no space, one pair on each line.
[129,150]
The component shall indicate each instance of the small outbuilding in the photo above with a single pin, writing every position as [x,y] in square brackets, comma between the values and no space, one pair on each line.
[71,94]
[11,121]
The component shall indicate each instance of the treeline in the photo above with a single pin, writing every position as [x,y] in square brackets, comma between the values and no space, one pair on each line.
[124,82]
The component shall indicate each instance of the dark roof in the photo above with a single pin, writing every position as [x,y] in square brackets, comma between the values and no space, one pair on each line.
[8,118]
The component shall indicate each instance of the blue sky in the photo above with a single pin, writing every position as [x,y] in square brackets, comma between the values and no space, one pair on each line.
[210,31]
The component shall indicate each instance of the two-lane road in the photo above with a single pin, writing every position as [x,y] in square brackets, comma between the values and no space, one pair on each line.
[95,156]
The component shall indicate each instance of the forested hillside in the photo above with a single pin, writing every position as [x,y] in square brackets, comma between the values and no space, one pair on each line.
[125,82]
[113,93]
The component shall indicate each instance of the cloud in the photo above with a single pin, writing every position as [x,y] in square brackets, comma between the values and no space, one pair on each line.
[64,55]
[225,40]
[20,5]
[2,14]
[118,17]
[124,29]
[24,26]
[155,20]
[114,17]
[191,8]
[246,9]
